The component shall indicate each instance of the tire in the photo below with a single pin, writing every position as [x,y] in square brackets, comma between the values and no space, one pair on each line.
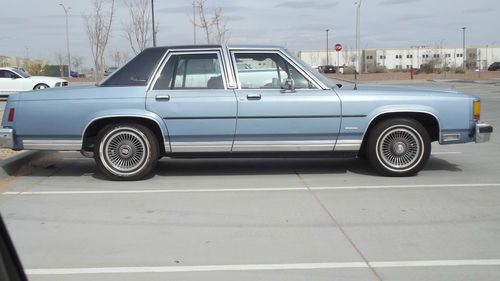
[398,147]
[41,86]
[126,151]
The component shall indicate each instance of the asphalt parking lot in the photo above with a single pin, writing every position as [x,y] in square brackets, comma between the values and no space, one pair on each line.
[262,219]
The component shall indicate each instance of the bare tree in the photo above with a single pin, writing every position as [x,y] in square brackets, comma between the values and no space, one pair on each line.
[98,26]
[118,58]
[77,62]
[138,31]
[221,31]
[203,23]
[60,59]
[215,26]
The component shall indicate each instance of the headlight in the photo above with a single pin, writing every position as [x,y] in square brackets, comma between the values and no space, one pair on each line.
[476,110]
[58,84]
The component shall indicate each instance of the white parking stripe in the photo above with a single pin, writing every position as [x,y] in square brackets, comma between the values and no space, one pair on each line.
[250,267]
[255,189]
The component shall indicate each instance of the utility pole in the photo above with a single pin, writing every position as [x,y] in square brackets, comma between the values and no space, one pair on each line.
[327,45]
[194,22]
[153,19]
[358,11]
[464,55]
[67,39]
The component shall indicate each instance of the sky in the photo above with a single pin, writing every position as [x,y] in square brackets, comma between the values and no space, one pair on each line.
[37,28]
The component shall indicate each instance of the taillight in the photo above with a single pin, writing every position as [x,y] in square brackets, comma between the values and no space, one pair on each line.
[12,111]
[476,110]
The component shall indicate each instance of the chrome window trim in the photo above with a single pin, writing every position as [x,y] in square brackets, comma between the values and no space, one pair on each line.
[404,111]
[166,143]
[318,84]
[172,52]
[229,67]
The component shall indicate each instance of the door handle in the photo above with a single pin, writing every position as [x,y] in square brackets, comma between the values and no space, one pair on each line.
[162,97]
[253,97]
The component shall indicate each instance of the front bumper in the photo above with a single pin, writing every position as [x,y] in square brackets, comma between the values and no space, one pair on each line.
[6,138]
[483,132]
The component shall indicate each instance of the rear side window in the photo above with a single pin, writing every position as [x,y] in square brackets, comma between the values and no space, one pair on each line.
[137,71]
[196,71]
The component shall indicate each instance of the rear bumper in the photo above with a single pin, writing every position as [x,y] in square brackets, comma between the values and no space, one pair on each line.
[6,138]
[483,132]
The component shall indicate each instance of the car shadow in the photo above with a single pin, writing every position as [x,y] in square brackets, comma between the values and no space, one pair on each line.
[73,167]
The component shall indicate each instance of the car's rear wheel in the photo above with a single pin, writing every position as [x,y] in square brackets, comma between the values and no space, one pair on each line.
[126,151]
[398,147]
[41,86]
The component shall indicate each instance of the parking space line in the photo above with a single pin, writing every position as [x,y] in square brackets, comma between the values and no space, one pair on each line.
[256,189]
[261,267]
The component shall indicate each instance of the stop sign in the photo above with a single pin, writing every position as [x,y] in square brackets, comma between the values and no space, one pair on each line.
[338,47]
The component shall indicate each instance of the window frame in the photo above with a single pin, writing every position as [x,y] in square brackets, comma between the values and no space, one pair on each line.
[175,52]
[276,52]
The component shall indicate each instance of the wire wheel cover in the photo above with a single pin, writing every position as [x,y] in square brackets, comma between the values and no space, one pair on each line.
[125,151]
[399,148]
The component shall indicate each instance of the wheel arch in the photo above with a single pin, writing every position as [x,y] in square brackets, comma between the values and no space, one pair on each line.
[428,120]
[95,125]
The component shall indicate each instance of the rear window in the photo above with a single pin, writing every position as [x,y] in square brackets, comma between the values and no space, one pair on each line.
[137,71]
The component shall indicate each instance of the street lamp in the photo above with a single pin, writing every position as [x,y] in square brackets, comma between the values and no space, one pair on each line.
[66,10]
[358,10]
[153,19]
[327,45]
[464,65]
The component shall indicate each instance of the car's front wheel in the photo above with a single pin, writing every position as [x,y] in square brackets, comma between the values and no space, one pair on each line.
[41,86]
[398,147]
[126,151]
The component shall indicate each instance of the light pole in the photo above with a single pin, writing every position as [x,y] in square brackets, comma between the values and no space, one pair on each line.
[66,10]
[153,21]
[464,55]
[358,11]
[327,45]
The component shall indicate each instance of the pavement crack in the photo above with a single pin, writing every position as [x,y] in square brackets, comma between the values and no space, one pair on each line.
[341,229]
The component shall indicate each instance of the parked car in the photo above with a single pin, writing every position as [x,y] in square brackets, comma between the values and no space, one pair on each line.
[494,66]
[329,69]
[109,70]
[194,101]
[15,80]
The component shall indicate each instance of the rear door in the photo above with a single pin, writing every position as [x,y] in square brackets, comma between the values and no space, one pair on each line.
[269,119]
[190,93]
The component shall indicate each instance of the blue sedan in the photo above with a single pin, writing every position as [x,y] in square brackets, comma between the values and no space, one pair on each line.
[236,101]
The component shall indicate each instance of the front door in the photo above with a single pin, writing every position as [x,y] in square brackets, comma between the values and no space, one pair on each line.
[271,119]
[191,96]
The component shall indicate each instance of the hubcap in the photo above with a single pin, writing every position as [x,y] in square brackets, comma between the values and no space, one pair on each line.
[399,148]
[125,151]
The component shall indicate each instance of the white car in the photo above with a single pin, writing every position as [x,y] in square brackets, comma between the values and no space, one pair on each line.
[16,80]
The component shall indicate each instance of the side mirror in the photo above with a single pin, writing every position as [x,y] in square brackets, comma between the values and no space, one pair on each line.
[288,86]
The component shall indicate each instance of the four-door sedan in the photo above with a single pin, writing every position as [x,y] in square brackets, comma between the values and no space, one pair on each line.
[236,101]
[16,80]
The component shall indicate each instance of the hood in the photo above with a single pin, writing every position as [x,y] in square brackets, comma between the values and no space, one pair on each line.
[391,90]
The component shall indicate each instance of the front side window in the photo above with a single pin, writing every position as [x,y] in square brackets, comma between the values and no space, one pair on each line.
[191,71]
[267,71]
[8,74]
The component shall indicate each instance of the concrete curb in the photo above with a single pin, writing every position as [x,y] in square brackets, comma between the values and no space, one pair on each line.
[11,165]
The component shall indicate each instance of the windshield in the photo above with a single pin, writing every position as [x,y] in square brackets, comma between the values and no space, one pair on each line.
[330,83]
[22,73]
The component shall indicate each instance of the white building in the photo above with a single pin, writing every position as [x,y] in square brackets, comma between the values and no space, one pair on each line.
[404,58]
